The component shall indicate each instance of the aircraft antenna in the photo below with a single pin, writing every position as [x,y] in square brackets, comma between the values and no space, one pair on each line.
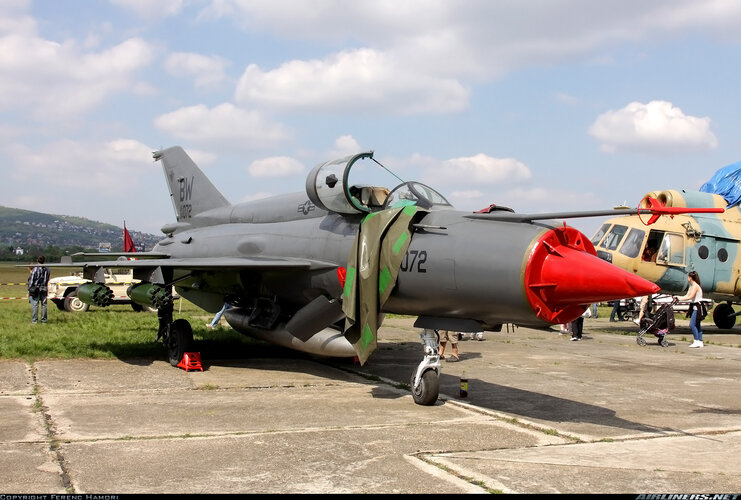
[387,170]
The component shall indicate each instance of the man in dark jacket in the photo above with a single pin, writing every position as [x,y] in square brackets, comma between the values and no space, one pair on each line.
[38,281]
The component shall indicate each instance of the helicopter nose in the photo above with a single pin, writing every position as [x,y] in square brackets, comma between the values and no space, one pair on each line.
[563,276]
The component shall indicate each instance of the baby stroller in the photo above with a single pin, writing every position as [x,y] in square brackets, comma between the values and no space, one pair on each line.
[660,323]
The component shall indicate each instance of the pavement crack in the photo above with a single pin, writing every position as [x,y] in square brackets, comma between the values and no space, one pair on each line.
[51,436]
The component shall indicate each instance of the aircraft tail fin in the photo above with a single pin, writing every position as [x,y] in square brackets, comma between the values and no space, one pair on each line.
[191,191]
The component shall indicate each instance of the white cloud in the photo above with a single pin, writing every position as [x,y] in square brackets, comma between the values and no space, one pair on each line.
[361,80]
[65,163]
[466,199]
[277,166]
[481,38]
[149,9]
[101,181]
[345,145]
[481,169]
[471,193]
[206,71]
[54,79]
[126,150]
[658,126]
[202,158]
[224,125]
[13,18]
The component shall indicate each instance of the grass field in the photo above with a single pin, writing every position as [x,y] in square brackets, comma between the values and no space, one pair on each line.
[110,332]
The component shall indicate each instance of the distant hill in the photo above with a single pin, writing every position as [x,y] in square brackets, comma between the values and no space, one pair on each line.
[24,228]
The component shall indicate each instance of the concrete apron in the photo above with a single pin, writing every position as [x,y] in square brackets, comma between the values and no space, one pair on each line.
[542,415]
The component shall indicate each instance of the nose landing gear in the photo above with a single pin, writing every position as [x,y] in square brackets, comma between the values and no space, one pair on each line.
[425,380]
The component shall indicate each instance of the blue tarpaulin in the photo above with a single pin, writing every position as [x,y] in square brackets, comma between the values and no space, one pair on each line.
[727,183]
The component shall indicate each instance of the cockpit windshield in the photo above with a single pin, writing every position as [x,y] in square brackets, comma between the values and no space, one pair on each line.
[329,186]
[414,193]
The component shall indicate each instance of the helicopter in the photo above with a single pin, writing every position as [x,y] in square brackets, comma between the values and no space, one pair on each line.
[671,247]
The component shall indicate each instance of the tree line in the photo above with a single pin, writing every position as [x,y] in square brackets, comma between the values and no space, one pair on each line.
[52,253]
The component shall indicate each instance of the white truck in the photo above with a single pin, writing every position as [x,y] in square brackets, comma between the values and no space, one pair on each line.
[63,291]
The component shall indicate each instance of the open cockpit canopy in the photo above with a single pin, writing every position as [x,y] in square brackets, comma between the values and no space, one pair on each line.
[329,186]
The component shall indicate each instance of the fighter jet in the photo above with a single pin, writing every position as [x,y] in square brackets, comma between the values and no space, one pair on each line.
[317,270]
[672,247]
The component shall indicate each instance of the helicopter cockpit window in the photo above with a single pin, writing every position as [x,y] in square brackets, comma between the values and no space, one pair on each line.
[652,245]
[614,237]
[671,250]
[415,193]
[632,244]
[599,234]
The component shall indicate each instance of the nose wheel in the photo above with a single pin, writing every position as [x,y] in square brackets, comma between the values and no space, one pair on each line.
[425,380]
[427,389]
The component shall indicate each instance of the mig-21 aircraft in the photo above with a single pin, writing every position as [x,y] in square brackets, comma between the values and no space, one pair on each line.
[317,270]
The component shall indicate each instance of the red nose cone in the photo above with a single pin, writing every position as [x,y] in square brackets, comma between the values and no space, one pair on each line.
[563,276]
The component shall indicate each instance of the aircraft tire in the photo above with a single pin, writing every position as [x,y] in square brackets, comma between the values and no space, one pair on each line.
[429,388]
[73,304]
[179,341]
[723,316]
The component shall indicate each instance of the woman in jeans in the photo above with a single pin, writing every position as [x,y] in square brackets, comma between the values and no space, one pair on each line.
[694,295]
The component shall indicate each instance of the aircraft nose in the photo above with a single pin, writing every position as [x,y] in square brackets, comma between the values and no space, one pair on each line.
[563,276]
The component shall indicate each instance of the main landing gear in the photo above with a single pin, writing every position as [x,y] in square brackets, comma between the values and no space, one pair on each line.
[724,316]
[426,378]
[177,336]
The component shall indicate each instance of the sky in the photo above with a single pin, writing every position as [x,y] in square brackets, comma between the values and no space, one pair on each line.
[537,105]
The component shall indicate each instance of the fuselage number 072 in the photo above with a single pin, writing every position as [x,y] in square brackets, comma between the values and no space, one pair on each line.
[414,260]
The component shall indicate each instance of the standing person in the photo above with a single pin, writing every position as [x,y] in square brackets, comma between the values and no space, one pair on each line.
[694,295]
[38,281]
[218,315]
[577,326]
[645,308]
[615,311]
[446,336]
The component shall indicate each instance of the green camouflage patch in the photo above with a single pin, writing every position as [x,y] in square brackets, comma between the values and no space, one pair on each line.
[349,280]
[384,278]
[399,244]
[367,337]
[368,217]
[410,210]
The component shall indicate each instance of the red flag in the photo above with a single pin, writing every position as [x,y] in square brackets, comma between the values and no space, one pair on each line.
[128,242]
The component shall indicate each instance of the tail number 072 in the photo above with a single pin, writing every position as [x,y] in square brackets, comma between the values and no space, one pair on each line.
[414,260]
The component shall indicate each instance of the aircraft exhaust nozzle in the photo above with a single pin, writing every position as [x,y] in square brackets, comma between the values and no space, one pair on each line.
[95,294]
[564,276]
